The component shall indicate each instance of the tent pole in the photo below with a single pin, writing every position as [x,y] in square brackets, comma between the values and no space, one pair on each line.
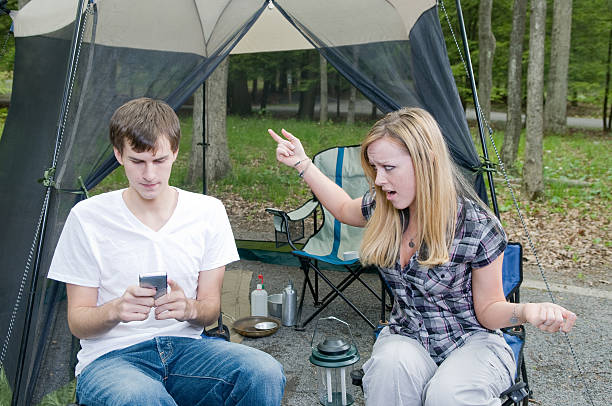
[45,210]
[483,142]
[204,186]
[32,294]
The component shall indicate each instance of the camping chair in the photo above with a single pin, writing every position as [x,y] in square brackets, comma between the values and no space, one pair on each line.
[332,243]
[512,277]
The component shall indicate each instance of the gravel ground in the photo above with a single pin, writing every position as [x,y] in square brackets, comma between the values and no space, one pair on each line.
[553,374]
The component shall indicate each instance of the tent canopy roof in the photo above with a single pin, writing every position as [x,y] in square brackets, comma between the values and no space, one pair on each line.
[196,26]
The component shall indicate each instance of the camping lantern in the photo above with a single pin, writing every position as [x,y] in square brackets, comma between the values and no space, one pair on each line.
[334,358]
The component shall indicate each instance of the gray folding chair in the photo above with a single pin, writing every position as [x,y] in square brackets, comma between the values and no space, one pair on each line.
[332,242]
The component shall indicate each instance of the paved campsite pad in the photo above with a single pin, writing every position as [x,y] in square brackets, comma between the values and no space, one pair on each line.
[551,369]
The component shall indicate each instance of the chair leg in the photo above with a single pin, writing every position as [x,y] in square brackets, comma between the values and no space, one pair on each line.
[317,302]
[342,285]
[357,277]
[314,291]
[383,301]
[337,292]
[353,275]
[298,325]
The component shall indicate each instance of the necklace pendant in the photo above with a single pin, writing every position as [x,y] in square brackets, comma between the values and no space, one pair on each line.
[411,243]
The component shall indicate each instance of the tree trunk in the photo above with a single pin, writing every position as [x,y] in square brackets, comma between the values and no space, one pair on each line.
[289,86]
[218,162]
[254,91]
[338,93]
[307,103]
[240,98]
[556,95]
[194,172]
[486,45]
[217,152]
[606,123]
[265,93]
[307,96]
[532,170]
[323,98]
[350,112]
[514,123]
[276,82]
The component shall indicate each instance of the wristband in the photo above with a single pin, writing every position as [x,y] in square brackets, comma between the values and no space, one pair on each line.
[301,174]
[299,162]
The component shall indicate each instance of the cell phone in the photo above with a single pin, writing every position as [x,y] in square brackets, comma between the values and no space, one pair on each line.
[155,280]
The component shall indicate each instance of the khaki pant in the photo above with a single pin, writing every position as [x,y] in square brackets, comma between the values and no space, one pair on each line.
[401,372]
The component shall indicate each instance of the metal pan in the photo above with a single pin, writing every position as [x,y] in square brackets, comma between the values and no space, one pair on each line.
[265,326]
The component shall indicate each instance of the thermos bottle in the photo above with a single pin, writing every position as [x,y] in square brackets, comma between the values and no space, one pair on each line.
[289,305]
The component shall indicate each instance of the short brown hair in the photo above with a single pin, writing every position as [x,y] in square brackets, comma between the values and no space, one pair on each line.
[141,122]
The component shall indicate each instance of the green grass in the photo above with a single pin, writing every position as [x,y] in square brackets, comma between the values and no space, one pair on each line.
[5,390]
[256,175]
[61,397]
[582,156]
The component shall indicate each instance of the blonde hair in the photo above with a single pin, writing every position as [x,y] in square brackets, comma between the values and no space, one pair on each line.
[437,183]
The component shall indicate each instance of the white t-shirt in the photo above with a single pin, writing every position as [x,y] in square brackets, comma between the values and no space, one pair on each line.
[103,245]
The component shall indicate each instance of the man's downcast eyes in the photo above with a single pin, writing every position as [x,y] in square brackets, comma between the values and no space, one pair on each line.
[157,161]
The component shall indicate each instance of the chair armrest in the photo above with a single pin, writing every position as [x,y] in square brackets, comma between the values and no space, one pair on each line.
[304,210]
[289,227]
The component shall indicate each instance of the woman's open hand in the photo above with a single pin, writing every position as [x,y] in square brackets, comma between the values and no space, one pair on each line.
[289,150]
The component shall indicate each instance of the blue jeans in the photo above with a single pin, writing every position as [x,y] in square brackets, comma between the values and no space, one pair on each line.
[182,371]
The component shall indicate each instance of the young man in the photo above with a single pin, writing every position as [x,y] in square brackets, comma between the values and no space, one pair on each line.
[137,349]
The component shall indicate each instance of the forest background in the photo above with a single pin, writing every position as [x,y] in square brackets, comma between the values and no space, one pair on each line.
[523,52]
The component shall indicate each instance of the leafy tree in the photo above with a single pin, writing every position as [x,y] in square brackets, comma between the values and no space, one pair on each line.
[591,25]
[532,170]
[324,89]
[514,122]
[7,44]
[486,45]
[607,123]
[308,83]
[556,94]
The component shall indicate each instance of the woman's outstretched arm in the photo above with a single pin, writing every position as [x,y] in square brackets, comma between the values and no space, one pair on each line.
[289,151]
[493,312]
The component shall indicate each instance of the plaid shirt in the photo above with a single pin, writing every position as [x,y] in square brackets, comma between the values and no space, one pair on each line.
[434,304]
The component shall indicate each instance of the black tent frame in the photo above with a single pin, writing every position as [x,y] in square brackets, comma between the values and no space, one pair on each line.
[72,65]
[110,165]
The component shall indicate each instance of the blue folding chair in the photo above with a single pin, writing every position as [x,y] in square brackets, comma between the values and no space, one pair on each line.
[332,242]
[512,277]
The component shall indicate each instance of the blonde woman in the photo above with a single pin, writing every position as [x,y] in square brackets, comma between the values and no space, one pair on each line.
[440,250]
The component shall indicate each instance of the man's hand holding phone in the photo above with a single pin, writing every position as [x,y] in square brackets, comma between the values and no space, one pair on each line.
[174,305]
[135,304]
